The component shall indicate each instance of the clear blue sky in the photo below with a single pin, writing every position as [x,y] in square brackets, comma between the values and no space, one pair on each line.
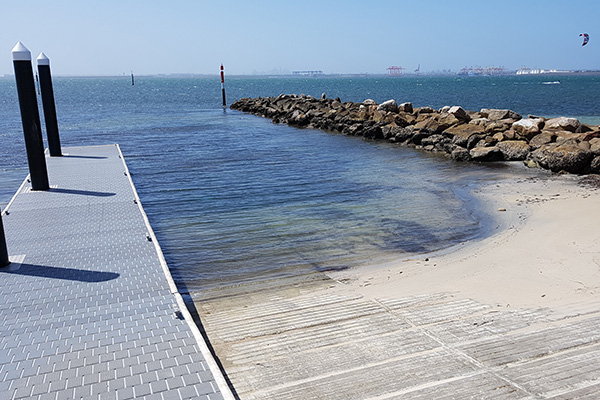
[114,37]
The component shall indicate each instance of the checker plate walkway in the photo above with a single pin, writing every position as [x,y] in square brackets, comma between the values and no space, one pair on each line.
[88,309]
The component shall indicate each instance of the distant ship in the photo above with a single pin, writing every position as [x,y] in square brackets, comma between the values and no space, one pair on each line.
[536,71]
[308,73]
[478,71]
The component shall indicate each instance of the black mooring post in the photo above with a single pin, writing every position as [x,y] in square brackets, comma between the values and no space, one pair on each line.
[30,116]
[48,105]
[3,250]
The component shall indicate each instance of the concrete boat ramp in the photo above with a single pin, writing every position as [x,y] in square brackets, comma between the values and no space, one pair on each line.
[88,309]
[304,340]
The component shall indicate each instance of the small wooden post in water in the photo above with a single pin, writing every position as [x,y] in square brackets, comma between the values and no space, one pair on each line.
[48,104]
[223,86]
[3,250]
[30,116]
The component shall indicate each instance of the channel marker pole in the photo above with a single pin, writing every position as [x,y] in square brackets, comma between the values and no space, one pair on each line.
[223,86]
[30,117]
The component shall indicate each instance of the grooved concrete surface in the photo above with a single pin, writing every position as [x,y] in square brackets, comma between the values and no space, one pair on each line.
[87,307]
[311,342]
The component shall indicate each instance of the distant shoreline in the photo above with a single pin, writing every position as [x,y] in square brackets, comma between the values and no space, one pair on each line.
[344,75]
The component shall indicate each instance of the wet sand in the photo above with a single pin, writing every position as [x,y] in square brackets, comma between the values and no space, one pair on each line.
[545,251]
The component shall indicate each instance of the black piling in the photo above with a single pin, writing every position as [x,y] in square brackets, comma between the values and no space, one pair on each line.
[30,116]
[3,250]
[49,106]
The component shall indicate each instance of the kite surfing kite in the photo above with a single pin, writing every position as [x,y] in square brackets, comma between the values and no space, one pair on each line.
[586,38]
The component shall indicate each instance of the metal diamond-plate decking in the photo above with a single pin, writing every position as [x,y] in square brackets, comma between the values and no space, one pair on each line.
[88,309]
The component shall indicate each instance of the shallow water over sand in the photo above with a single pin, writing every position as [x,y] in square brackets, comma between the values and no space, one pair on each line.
[234,198]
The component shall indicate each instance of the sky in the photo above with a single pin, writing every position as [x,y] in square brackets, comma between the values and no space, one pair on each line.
[116,37]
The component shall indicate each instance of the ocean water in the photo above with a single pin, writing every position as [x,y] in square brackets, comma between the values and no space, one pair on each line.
[235,198]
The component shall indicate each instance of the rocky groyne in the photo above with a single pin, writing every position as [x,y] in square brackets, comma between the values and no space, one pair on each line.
[558,144]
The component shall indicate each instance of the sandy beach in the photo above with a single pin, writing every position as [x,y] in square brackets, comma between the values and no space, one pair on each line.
[543,253]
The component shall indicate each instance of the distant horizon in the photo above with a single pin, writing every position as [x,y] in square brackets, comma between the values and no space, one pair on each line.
[324,75]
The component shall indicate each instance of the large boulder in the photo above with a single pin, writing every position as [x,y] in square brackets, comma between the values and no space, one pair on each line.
[403,119]
[286,103]
[336,105]
[595,146]
[420,135]
[562,157]
[501,125]
[372,132]
[401,135]
[564,124]
[437,123]
[461,133]
[584,145]
[406,107]
[379,116]
[542,139]
[459,113]
[354,130]
[388,106]
[389,130]
[486,154]
[361,115]
[434,141]
[480,121]
[514,150]
[563,136]
[298,118]
[494,114]
[480,140]
[425,110]
[528,128]
[592,135]
[595,165]
[460,154]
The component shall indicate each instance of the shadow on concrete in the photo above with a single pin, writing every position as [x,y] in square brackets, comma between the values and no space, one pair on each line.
[71,274]
[82,192]
[91,157]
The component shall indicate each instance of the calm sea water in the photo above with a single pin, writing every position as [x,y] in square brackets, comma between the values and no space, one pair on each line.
[234,198]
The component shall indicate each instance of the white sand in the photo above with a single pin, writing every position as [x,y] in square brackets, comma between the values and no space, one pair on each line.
[545,252]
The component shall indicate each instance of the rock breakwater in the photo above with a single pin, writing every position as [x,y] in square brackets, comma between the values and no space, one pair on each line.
[558,144]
